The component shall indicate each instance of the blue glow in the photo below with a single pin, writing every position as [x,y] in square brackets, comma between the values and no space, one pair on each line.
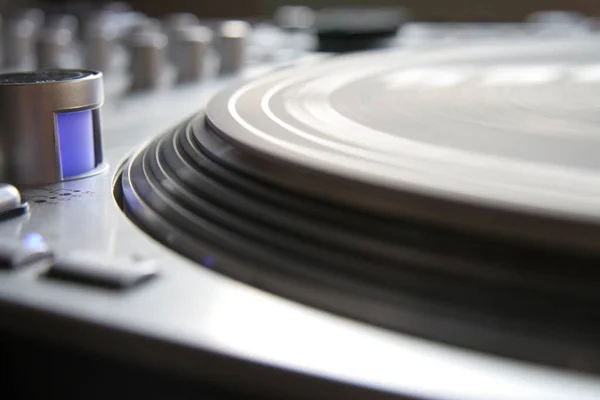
[209,261]
[76,142]
[34,241]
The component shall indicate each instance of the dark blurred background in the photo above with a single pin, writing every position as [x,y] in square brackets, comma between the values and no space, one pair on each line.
[423,10]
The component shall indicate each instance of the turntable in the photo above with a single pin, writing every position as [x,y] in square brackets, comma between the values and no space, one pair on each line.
[415,222]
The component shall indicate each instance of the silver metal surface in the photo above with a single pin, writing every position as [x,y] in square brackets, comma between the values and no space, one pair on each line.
[19,44]
[190,312]
[172,24]
[100,42]
[54,48]
[147,64]
[16,254]
[143,25]
[120,273]
[295,17]
[64,21]
[28,144]
[35,15]
[191,47]
[180,20]
[232,45]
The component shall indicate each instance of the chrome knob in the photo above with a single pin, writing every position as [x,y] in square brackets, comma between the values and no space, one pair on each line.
[232,40]
[54,48]
[147,63]
[50,126]
[100,41]
[19,44]
[191,46]
[172,24]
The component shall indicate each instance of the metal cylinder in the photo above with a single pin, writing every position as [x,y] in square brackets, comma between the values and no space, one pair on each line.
[96,21]
[172,24]
[117,7]
[175,21]
[54,48]
[232,46]
[50,126]
[99,47]
[35,15]
[295,18]
[191,46]
[19,44]
[142,26]
[147,60]
[64,21]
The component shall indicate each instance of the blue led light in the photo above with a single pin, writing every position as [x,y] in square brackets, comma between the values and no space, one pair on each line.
[209,261]
[76,142]
[34,241]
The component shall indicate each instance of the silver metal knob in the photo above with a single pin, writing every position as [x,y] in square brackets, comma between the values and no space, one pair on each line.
[98,20]
[232,45]
[139,27]
[191,46]
[295,18]
[64,21]
[19,44]
[36,16]
[147,60]
[99,46]
[174,23]
[144,25]
[50,124]
[54,48]
[180,20]
[118,7]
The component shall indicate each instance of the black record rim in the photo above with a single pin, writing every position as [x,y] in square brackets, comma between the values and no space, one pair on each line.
[467,290]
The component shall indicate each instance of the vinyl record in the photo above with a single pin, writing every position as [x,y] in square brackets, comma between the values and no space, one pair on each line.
[501,138]
[449,193]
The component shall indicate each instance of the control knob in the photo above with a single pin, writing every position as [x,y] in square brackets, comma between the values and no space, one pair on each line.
[147,62]
[54,48]
[64,21]
[50,124]
[100,43]
[191,46]
[173,23]
[232,40]
[19,43]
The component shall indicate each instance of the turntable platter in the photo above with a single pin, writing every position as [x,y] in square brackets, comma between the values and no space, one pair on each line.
[450,193]
[510,127]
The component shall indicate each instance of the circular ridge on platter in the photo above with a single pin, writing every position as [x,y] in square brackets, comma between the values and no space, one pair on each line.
[368,244]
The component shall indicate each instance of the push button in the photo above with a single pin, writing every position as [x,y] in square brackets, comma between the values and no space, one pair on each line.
[97,270]
[11,204]
[17,254]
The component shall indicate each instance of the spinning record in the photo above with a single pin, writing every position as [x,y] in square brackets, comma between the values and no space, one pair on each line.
[450,193]
[502,138]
